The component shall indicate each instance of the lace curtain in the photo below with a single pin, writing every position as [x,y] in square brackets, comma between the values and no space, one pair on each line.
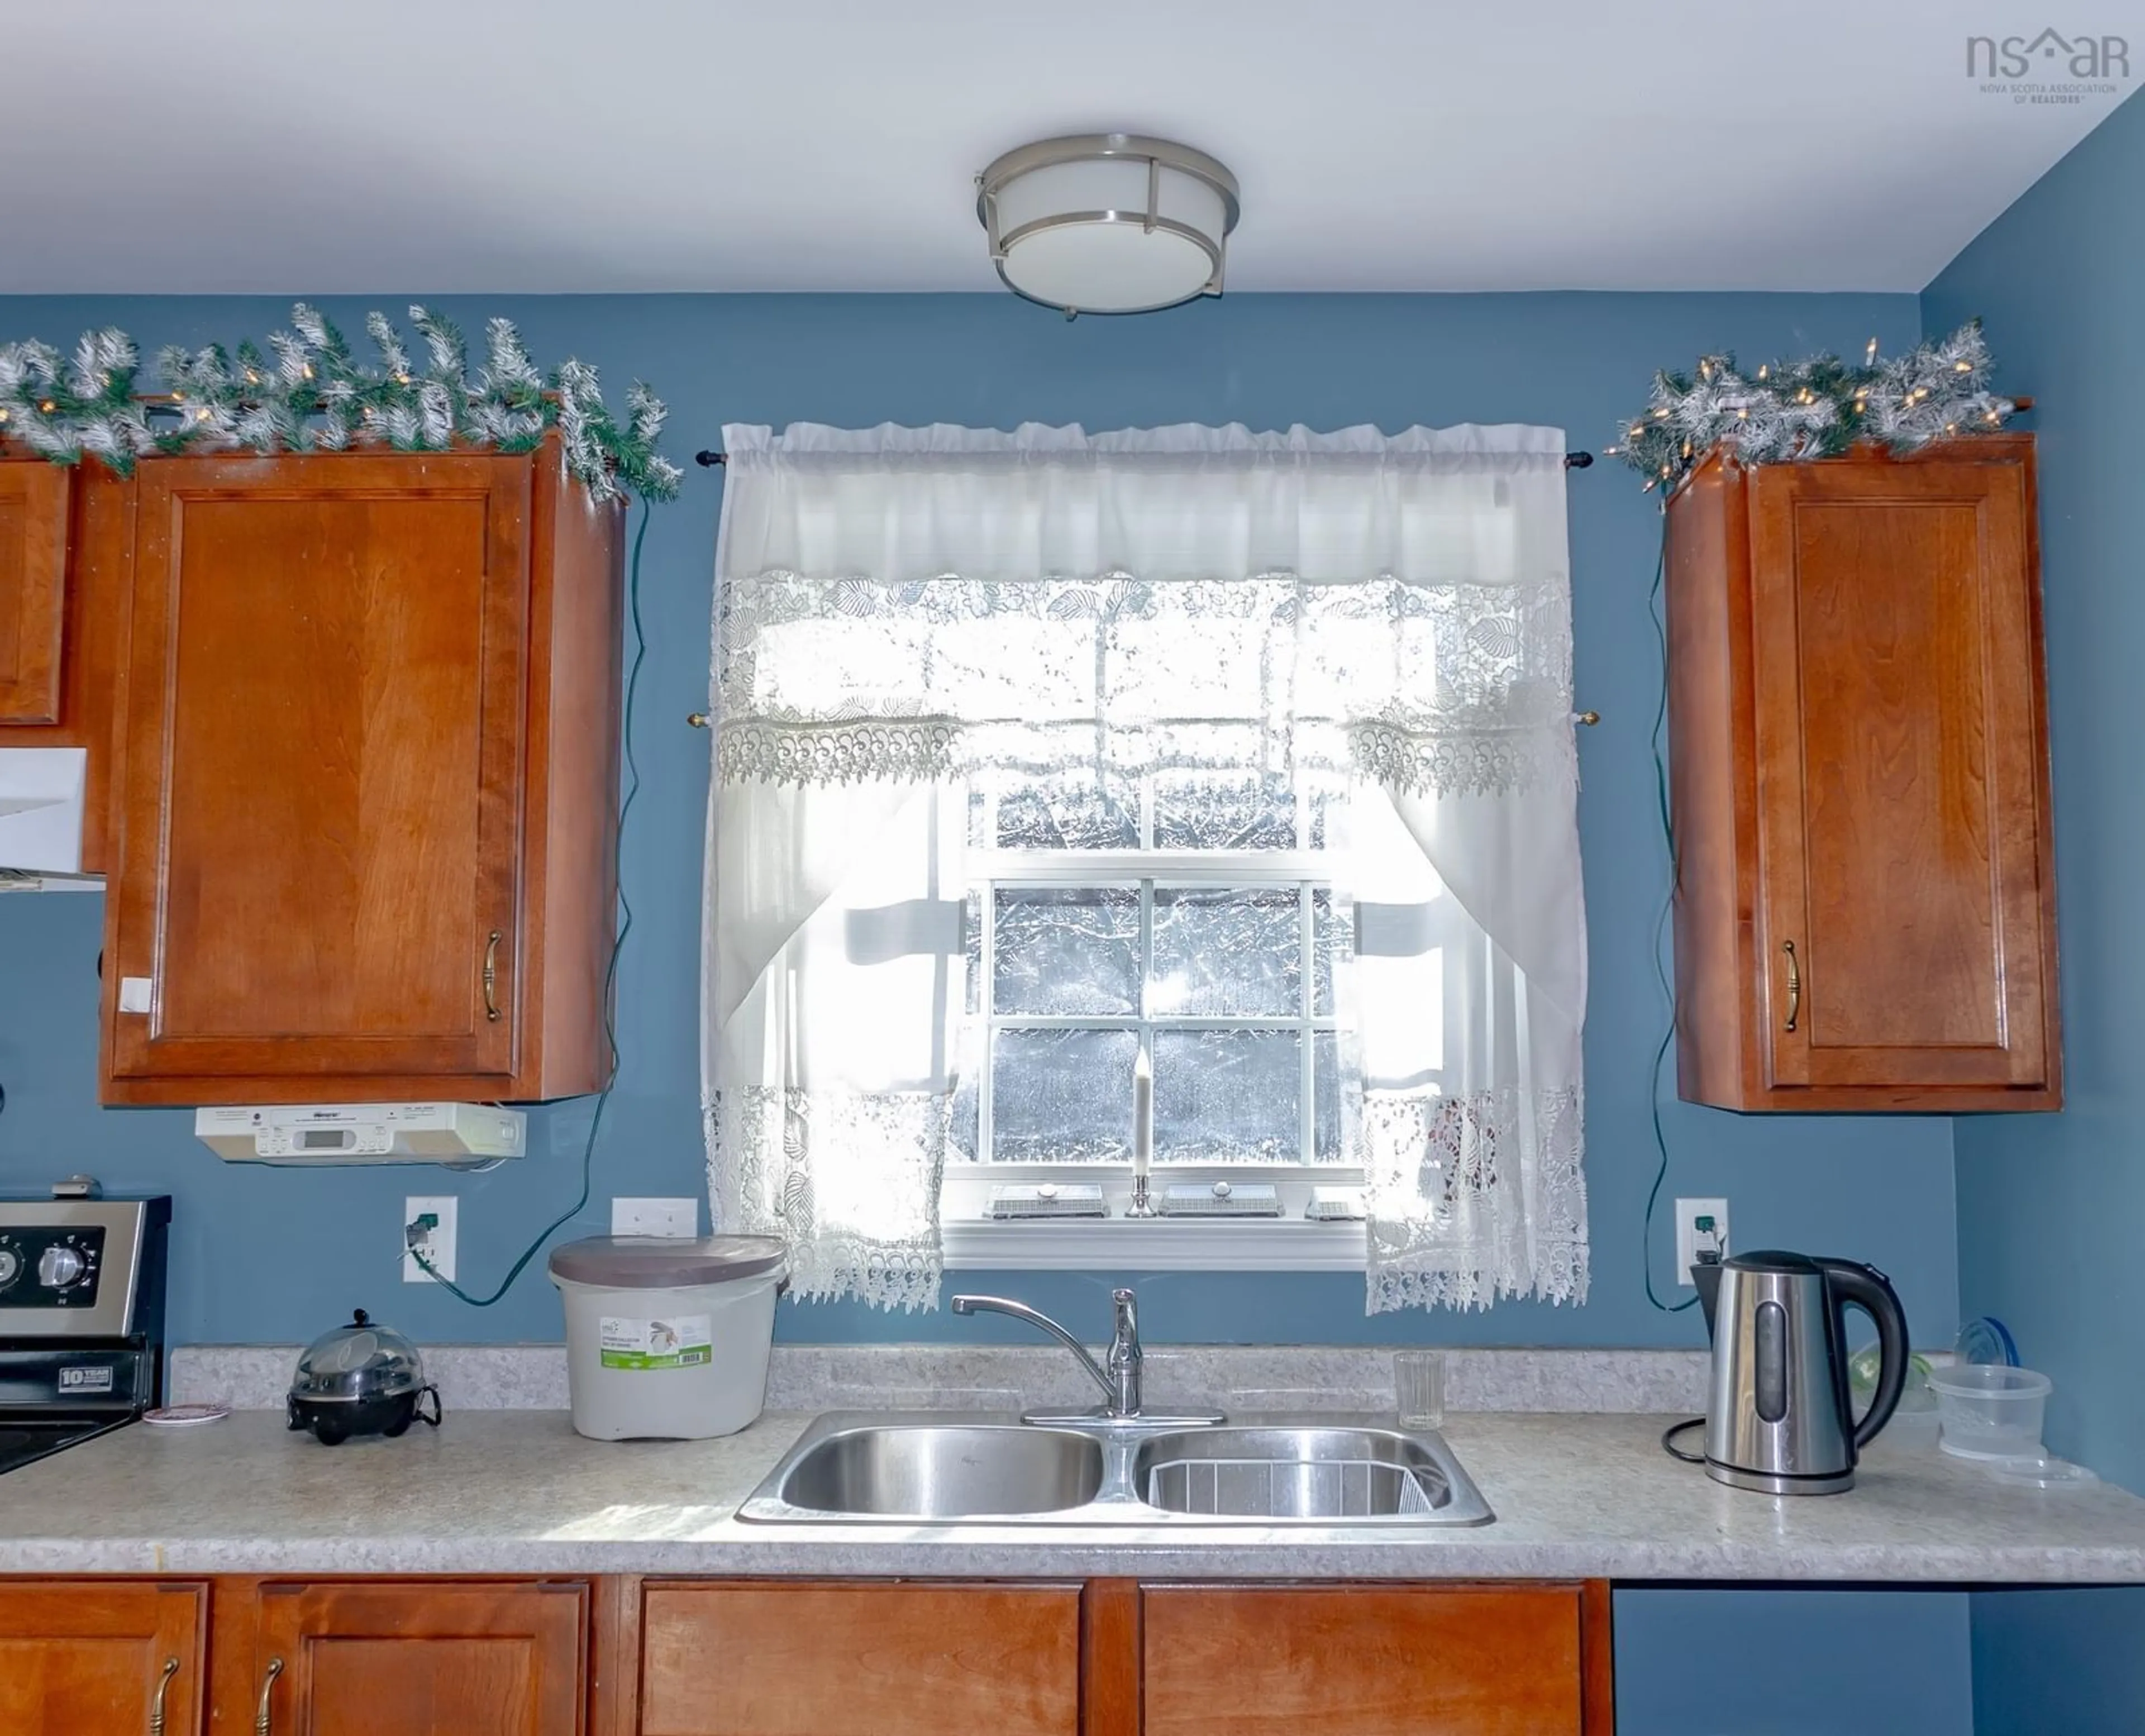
[903,612]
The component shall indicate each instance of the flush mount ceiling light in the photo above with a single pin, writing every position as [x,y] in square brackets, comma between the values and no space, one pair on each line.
[1107,223]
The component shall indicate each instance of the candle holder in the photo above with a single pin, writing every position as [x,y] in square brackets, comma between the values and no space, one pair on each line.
[1140,1205]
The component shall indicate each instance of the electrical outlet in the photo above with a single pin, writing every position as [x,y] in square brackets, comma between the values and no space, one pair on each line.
[436,1239]
[655,1217]
[1701,1227]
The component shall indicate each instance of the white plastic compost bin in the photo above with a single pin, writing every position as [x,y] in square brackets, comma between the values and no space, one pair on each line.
[666,1337]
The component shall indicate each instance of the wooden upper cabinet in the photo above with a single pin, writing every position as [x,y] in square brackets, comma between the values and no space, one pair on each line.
[34,550]
[1865,909]
[124,1658]
[368,788]
[65,547]
[417,1659]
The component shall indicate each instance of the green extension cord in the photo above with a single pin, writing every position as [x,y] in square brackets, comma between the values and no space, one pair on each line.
[610,973]
[1654,611]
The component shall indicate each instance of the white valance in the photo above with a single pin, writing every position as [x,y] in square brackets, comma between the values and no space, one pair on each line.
[901,504]
[901,612]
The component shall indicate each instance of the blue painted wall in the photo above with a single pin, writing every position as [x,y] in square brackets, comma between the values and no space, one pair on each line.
[266,1255]
[1768,1661]
[2050,1206]
[2052,1660]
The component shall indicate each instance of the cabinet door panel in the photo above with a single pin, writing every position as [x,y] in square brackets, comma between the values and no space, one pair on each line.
[421,1659]
[1361,1661]
[1899,790]
[76,1658]
[325,747]
[861,1660]
[34,542]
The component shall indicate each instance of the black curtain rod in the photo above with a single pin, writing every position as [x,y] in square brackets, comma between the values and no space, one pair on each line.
[708,460]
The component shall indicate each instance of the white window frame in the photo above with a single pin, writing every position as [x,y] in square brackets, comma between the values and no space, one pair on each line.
[973,1240]
[1289,1243]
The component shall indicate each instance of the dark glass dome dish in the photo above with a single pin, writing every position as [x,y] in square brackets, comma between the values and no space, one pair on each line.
[361,1379]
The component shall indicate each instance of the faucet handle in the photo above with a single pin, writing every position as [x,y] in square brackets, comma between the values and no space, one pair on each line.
[1124,1330]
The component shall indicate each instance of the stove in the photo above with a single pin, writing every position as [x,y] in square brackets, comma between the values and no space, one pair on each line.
[81,1317]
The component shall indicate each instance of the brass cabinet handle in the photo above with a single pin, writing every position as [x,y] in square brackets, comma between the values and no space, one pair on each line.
[1794,984]
[492,979]
[163,1688]
[267,1712]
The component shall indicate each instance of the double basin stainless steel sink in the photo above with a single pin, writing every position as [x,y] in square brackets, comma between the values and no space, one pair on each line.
[925,1468]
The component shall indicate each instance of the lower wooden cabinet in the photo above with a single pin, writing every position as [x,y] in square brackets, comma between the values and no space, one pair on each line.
[629,1657]
[1114,1658]
[813,1658]
[418,1658]
[119,1657]
[1362,1660]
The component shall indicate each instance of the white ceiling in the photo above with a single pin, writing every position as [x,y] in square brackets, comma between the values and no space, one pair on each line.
[434,145]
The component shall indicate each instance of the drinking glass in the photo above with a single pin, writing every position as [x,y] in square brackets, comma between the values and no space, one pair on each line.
[1419,1385]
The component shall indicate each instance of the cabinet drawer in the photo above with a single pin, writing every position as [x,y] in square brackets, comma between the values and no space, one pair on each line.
[829,1659]
[1358,1660]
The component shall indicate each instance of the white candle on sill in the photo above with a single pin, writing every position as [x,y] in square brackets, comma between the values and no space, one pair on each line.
[1142,1119]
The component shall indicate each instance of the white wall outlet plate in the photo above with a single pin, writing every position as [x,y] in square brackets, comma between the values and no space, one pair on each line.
[655,1217]
[436,1241]
[1691,1239]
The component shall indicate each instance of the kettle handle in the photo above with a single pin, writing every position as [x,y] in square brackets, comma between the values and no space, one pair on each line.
[1850,1281]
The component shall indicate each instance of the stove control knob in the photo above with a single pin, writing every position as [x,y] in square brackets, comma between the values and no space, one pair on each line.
[11,1266]
[58,1266]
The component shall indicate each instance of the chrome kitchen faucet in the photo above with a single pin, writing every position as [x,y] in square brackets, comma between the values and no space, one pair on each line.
[1119,1373]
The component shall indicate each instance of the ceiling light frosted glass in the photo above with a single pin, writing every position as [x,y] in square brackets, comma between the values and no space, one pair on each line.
[1107,223]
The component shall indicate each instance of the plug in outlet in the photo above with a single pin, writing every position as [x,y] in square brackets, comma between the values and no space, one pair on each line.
[1701,1228]
[429,1224]
[655,1217]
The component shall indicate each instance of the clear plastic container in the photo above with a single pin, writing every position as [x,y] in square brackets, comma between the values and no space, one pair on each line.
[1914,1422]
[2042,1473]
[1987,1340]
[1990,1411]
[1915,1425]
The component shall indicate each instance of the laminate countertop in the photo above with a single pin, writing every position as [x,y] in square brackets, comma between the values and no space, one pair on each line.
[518,1492]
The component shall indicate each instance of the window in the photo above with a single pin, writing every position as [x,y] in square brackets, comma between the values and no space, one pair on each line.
[1240,763]
[1202,918]
[1195,924]
[1192,919]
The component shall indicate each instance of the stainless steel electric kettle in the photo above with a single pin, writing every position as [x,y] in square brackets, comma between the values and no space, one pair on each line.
[1777,1416]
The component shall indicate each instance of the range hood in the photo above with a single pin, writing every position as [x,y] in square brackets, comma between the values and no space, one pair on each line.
[41,814]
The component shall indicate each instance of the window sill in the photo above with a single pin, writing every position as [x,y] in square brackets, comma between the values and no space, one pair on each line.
[974,1241]
[1154,1245]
